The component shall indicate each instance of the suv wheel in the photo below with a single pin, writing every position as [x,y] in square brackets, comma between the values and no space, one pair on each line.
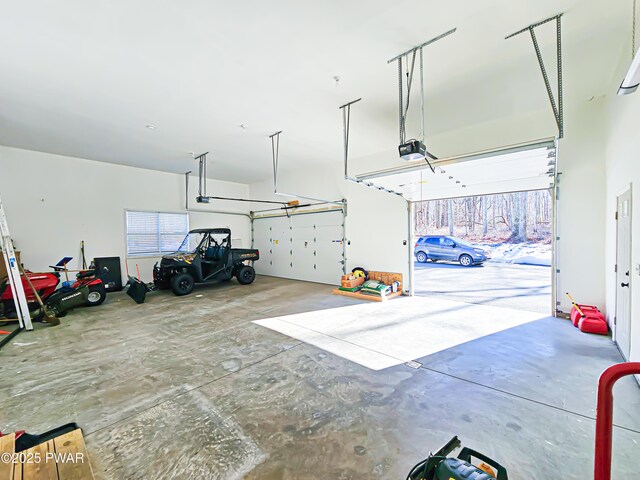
[421,257]
[246,275]
[466,260]
[182,284]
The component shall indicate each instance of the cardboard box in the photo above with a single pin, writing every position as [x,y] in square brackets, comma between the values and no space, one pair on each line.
[3,270]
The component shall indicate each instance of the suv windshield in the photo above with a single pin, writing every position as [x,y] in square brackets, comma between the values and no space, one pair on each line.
[459,241]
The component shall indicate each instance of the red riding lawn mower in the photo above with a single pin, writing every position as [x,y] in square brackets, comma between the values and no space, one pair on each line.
[87,290]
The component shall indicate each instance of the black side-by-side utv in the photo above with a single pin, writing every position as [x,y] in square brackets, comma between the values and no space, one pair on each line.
[204,256]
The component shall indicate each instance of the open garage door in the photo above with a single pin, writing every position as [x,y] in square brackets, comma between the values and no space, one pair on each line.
[524,167]
[527,167]
[305,246]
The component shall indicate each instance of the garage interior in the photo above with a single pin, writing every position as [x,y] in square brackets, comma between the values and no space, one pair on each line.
[294,142]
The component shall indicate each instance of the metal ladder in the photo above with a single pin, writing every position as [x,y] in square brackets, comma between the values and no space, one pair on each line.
[11,262]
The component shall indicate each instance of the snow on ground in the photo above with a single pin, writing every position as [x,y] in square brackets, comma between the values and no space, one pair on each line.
[521,253]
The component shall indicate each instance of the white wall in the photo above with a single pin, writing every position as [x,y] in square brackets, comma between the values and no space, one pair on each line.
[622,169]
[53,202]
[581,207]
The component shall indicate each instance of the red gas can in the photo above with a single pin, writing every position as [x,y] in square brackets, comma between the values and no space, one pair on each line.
[591,324]
[588,310]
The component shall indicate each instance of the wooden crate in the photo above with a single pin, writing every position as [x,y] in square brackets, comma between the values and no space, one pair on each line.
[62,458]
[362,296]
[385,277]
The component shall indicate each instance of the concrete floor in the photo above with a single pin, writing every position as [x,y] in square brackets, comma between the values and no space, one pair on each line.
[190,388]
[525,287]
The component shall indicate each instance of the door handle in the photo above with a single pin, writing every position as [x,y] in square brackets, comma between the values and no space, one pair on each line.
[624,284]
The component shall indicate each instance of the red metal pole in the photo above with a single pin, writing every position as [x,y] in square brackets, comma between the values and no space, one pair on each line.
[604,416]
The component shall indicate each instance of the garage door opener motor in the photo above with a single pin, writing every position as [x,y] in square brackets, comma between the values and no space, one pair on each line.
[439,466]
[413,149]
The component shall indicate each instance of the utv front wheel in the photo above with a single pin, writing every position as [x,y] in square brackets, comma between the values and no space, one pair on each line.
[182,284]
[246,275]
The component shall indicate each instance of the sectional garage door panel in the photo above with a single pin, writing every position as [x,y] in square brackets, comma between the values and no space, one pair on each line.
[272,238]
[305,247]
[515,168]
[302,252]
[330,238]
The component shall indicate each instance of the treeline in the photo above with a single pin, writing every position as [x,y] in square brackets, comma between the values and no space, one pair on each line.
[514,217]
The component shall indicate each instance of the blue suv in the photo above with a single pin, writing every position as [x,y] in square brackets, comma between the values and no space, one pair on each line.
[444,247]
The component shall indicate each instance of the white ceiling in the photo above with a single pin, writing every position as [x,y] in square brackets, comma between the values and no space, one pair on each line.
[83,78]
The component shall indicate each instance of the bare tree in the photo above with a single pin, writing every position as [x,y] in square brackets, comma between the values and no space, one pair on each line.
[515,217]
[485,215]
[522,216]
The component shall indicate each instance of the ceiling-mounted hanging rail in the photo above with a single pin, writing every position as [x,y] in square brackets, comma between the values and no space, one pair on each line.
[220,212]
[422,45]
[557,107]
[413,149]
[202,174]
[275,156]
[346,124]
[202,187]
[186,189]
[346,119]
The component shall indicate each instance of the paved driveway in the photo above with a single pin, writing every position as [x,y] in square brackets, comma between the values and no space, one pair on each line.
[525,287]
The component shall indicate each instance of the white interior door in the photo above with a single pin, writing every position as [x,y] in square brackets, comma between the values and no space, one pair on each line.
[301,247]
[623,274]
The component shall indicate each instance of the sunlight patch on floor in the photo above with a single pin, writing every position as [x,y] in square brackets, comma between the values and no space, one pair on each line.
[381,335]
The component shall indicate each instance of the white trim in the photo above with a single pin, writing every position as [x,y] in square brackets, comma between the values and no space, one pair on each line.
[614,325]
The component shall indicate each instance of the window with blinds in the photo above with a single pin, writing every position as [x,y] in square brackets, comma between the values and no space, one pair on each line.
[155,233]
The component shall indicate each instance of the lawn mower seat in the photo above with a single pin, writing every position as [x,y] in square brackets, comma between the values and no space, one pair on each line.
[85,274]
